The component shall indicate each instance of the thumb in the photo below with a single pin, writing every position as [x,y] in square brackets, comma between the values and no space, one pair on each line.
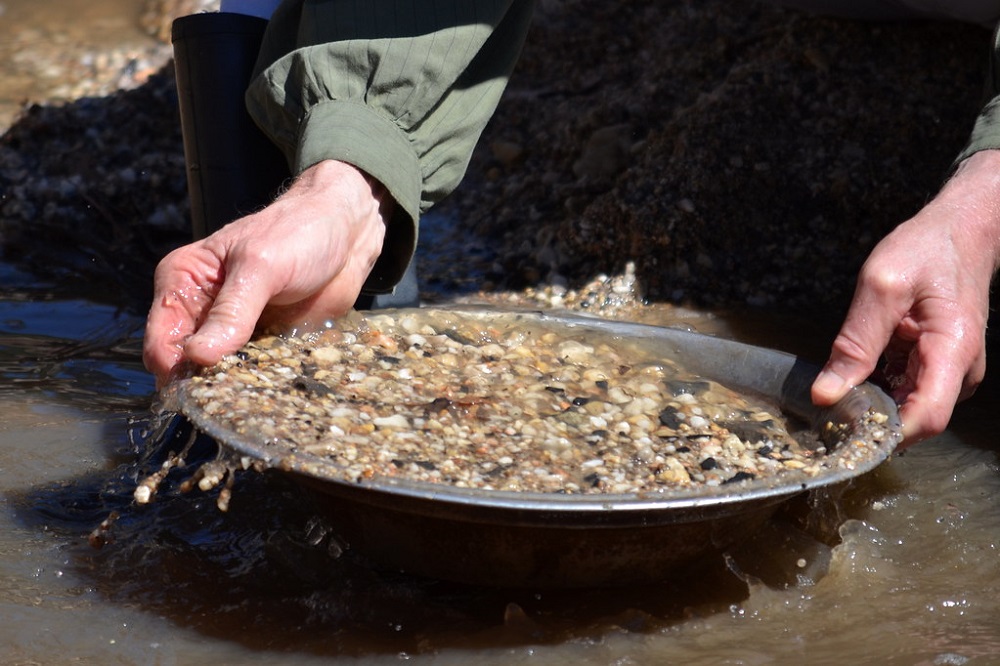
[855,352]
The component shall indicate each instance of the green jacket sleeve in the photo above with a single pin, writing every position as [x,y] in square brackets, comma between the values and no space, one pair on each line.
[401,89]
[986,131]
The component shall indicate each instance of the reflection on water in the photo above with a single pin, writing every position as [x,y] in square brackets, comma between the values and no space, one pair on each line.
[901,568]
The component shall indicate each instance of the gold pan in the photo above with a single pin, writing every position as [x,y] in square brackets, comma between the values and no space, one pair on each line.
[507,538]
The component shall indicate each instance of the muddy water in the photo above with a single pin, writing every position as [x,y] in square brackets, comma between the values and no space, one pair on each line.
[903,568]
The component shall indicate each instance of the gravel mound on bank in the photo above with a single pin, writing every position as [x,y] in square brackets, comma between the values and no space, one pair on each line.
[736,153]
[738,158]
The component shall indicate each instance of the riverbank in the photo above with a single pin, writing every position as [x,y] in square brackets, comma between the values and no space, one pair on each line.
[737,159]
[749,158]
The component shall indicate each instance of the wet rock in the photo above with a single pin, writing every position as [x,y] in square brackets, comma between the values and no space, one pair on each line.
[749,431]
[605,154]
[671,418]
[508,153]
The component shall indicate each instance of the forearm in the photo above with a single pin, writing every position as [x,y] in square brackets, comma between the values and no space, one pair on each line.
[986,130]
[970,201]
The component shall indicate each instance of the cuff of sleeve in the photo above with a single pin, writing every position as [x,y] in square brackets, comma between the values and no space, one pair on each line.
[354,133]
[985,133]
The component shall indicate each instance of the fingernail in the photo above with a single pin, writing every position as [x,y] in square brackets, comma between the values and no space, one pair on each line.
[203,348]
[829,383]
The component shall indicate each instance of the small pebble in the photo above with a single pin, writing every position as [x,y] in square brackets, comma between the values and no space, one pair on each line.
[498,401]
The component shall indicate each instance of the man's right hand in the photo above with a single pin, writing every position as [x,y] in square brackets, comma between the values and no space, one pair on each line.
[298,262]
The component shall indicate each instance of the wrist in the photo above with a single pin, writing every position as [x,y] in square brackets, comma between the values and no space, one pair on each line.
[345,184]
[971,199]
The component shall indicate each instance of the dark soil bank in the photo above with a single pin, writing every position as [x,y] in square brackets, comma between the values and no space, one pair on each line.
[738,153]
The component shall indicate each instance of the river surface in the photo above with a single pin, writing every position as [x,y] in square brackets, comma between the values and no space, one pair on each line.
[903,569]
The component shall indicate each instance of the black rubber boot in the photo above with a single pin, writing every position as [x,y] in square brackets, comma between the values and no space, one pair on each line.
[232,168]
[405,295]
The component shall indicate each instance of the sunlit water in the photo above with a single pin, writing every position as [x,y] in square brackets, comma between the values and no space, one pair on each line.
[912,578]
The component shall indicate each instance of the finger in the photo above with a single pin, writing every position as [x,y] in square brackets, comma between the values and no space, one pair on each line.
[946,372]
[231,318]
[162,347]
[172,317]
[927,410]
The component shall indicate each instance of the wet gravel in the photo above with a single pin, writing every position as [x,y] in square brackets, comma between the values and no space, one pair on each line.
[504,402]
[739,155]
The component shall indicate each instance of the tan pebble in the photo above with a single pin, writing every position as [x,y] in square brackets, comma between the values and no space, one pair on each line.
[522,370]
[575,352]
[394,421]
[733,446]
[618,395]
[594,375]
[670,475]
[648,389]
[327,355]
[633,408]
[492,350]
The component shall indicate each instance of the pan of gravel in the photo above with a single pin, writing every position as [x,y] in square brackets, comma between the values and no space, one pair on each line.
[533,449]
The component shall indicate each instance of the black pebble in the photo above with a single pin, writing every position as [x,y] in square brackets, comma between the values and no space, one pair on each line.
[748,431]
[670,418]
[309,385]
[739,476]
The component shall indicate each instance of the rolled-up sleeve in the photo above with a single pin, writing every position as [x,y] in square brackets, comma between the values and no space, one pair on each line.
[401,89]
[986,130]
